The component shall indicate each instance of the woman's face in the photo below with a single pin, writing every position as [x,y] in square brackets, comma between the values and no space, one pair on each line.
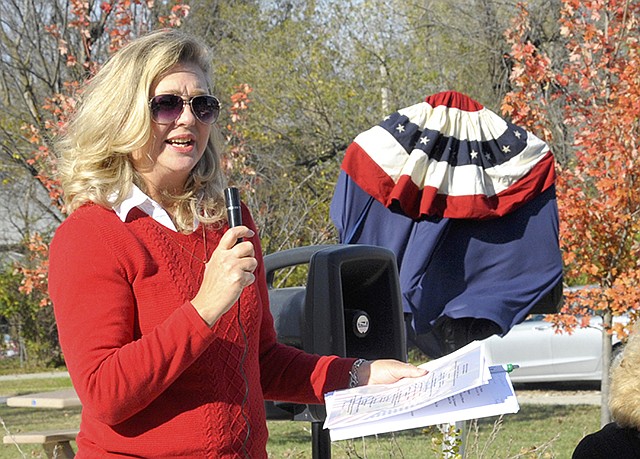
[174,149]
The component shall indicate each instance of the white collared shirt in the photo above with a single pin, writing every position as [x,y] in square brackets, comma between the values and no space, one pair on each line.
[138,198]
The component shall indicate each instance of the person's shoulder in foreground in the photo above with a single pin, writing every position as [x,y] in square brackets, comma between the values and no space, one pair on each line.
[619,439]
[610,442]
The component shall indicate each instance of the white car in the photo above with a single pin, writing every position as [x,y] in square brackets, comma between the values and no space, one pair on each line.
[546,356]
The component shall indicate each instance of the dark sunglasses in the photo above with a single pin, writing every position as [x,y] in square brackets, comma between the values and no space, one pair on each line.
[166,108]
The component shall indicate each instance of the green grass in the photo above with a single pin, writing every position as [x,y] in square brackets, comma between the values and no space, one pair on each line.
[29,386]
[537,431]
[12,366]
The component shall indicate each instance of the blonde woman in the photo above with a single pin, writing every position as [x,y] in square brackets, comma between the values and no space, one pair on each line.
[163,317]
[619,439]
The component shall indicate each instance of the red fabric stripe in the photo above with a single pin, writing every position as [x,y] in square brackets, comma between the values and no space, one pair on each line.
[370,176]
[479,207]
[417,203]
[454,99]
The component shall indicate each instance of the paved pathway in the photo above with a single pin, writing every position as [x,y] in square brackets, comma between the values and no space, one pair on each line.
[44,375]
[541,397]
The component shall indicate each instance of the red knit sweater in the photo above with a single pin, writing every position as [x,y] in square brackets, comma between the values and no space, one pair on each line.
[154,379]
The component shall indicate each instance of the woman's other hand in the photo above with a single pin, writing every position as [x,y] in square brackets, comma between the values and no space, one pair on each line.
[386,371]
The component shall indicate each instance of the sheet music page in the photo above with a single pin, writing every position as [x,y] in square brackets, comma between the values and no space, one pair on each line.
[447,376]
[492,399]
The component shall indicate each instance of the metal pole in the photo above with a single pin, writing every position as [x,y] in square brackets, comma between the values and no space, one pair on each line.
[321,442]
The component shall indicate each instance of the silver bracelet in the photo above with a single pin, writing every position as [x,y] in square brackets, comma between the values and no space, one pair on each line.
[353,373]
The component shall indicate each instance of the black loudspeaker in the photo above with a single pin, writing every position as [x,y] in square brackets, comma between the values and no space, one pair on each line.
[351,307]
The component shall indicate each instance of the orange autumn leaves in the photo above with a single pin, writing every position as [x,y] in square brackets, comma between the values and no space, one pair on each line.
[594,86]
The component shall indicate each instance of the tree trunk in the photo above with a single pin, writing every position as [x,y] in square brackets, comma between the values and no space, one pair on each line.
[384,90]
[607,346]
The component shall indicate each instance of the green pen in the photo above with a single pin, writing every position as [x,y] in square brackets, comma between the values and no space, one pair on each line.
[506,368]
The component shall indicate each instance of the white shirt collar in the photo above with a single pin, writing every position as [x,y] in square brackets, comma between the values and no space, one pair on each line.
[137,198]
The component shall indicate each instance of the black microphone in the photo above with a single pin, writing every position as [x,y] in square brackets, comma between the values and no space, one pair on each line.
[232,202]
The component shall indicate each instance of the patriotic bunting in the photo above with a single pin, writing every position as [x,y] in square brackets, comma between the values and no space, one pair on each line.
[449,156]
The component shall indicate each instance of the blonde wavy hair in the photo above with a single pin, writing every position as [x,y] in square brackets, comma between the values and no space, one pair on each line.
[624,396]
[112,120]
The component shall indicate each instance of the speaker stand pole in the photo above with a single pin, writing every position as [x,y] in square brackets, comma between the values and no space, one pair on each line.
[321,442]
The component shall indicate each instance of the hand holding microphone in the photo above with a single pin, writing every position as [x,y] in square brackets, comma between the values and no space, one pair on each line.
[231,267]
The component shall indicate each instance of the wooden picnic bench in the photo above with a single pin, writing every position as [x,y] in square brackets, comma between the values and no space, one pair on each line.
[56,443]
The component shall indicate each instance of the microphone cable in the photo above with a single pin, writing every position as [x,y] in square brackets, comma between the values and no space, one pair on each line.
[246,383]
[234,217]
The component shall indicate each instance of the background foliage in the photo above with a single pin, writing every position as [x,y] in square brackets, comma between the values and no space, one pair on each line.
[585,99]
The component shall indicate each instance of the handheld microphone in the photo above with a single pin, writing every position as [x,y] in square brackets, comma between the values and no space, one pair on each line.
[232,202]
